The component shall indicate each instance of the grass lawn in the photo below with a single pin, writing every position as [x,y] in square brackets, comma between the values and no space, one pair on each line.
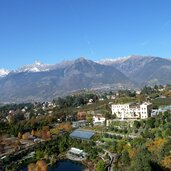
[162,101]
[108,139]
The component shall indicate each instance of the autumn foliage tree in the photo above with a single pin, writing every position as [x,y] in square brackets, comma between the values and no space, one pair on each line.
[39,166]
[26,136]
[19,135]
[46,134]
[65,126]
[38,133]
[166,162]
[31,167]
[32,132]
[45,128]
[154,146]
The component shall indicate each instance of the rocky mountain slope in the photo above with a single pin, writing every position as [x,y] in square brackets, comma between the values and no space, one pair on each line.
[143,70]
[38,83]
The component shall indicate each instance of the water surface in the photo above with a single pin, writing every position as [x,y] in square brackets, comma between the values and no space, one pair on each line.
[67,165]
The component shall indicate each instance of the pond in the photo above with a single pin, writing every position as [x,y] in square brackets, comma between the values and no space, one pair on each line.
[66,165]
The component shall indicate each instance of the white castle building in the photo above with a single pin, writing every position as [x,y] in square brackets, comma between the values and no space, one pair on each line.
[132,110]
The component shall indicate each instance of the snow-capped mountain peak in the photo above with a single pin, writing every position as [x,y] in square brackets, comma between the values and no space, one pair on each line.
[3,72]
[38,63]
[36,67]
[109,61]
[119,60]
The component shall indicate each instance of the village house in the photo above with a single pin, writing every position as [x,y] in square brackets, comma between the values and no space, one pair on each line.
[76,154]
[98,119]
[138,92]
[90,101]
[155,112]
[77,124]
[101,99]
[91,112]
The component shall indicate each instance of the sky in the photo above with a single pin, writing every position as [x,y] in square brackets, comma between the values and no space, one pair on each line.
[52,31]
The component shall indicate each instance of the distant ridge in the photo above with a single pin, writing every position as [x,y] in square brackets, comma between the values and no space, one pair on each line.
[143,69]
[29,84]
[40,82]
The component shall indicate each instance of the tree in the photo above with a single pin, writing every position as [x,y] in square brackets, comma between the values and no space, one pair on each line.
[61,147]
[108,115]
[148,134]
[38,133]
[147,90]
[165,149]
[120,145]
[79,101]
[32,132]
[166,162]
[142,161]
[41,165]
[44,134]
[69,100]
[26,136]
[125,158]
[137,124]
[137,142]
[18,116]
[100,165]
[61,102]
[156,87]
[155,147]
[39,154]
[150,123]
[49,135]
[19,135]
[45,128]
[89,119]
[31,167]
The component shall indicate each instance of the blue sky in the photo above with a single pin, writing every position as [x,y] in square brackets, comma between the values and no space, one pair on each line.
[55,30]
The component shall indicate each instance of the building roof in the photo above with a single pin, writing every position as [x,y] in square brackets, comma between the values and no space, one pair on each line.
[146,103]
[98,116]
[75,151]
[133,104]
[117,104]
[81,134]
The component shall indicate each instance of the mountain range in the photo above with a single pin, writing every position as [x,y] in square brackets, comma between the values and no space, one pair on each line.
[40,82]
